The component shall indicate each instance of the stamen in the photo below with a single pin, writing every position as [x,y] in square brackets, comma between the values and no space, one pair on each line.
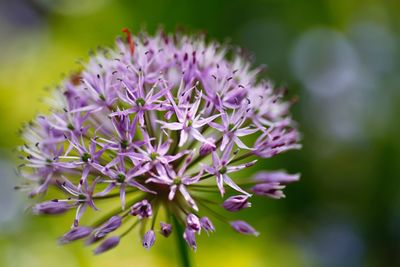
[129,40]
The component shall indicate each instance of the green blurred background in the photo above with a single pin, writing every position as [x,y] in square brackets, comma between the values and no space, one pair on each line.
[341,57]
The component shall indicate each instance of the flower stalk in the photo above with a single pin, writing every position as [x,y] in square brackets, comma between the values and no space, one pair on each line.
[182,248]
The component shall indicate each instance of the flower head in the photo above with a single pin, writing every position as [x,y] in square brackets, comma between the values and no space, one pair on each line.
[157,122]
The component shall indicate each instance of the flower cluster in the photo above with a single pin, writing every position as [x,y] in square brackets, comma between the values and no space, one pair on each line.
[158,123]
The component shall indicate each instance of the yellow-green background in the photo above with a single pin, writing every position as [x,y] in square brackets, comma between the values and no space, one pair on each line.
[341,57]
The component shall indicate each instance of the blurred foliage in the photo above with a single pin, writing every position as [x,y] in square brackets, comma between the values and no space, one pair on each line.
[339,56]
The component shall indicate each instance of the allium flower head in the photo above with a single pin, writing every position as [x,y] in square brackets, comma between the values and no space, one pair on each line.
[157,123]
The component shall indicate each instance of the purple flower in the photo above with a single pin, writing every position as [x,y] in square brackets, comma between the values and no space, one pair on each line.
[177,181]
[142,209]
[121,178]
[244,228]
[207,225]
[82,197]
[51,207]
[188,122]
[275,141]
[149,239]
[236,203]
[154,154]
[107,244]
[166,229]
[164,119]
[75,234]
[190,237]
[220,168]
[231,127]
[272,190]
[139,101]
[193,223]
[112,224]
[207,148]
[271,184]
[276,177]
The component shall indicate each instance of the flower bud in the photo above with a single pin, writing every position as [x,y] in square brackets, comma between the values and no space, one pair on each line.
[75,234]
[207,225]
[142,209]
[236,203]
[166,229]
[189,236]
[244,228]
[112,224]
[276,177]
[149,239]
[272,190]
[193,222]
[51,207]
[207,148]
[107,244]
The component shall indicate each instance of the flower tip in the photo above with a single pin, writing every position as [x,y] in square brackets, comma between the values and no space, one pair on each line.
[75,234]
[149,239]
[207,225]
[107,244]
[166,229]
[243,227]
[236,203]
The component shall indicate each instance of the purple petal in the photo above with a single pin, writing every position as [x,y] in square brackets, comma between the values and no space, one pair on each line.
[112,224]
[107,244]
[165,229]
[190,238]
[75,234]
[149,239]
[236,203]
[244,228]
[51,207]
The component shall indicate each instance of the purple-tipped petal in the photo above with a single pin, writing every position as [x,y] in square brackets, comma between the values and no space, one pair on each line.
[149,239]
[112,224]
[190,237]
[276,177]
[51,207]
[107,244]
[142,209]
[207,148]
[207,225]
[75,234]
[193,222]
[165,229]
[272,190]
[236,203]
[244,228]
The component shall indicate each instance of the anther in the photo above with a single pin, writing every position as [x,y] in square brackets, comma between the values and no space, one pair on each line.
[129,40]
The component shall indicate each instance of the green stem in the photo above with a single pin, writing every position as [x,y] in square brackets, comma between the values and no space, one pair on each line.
[181,244]
[246,155]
